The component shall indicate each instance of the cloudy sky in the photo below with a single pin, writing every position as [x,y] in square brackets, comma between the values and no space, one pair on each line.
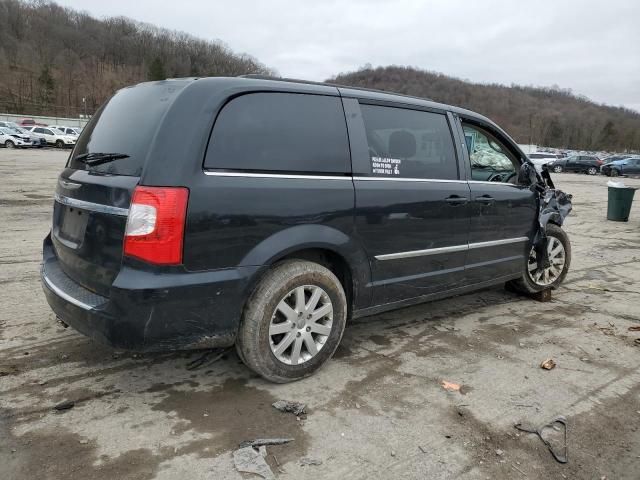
[589,46]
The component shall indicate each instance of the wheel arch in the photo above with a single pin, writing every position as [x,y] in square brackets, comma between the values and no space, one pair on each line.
[321,244]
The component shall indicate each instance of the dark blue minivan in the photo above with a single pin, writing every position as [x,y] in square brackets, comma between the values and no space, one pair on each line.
[199,213]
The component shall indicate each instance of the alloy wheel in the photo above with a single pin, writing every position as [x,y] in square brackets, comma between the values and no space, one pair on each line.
[557,169]
[557,258]
[300,325]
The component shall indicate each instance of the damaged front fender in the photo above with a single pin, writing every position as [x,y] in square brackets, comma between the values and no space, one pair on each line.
[553,207]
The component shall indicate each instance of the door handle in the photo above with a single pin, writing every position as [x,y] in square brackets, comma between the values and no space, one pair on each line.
[486,199]
[454,200]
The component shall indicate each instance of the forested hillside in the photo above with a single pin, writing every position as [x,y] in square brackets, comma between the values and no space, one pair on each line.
[542,116]
[51,57]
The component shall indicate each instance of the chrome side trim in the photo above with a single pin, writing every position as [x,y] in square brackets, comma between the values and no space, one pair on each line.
[65,295]
[94,207]
[398,179]
[422,253]
[343,177]
[276,175]
[495,243]
[485,182]
[454,248]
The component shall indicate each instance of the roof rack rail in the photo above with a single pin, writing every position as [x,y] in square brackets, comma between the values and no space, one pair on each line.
[260,76]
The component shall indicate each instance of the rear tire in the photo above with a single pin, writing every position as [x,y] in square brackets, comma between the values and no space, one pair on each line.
[279,338]
[557,169]
[614,172]
[529,282]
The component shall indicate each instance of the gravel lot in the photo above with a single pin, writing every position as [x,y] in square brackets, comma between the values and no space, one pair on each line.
[377,410]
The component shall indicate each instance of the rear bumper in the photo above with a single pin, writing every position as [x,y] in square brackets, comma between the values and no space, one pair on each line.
[150,312]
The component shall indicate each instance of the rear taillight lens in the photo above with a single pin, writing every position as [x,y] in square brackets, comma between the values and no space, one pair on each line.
[155,226]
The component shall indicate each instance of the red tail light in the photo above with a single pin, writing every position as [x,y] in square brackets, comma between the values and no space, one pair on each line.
[155,226]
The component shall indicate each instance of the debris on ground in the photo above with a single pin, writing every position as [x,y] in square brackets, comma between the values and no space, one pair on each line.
[543,296]
[286,406]
[249,460]
[610,330]
[206,359]
[635,328]
[258,442]
[548,364]
[422,449]
[559,423]
[446,328]
[66,405]
[308,461]
[450,386]
[499,452]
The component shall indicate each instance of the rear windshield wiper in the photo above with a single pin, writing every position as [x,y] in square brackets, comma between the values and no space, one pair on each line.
[98,158]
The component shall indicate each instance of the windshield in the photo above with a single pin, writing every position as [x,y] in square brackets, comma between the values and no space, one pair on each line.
[126,125]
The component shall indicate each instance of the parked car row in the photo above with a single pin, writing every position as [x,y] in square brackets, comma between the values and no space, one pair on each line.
[13,135]
[614,165]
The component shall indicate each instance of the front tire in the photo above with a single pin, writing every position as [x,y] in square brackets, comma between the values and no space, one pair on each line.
[292,322]
[534,280]
[557,169]
[9,144]
[614,172]
[59,144]
[592,171]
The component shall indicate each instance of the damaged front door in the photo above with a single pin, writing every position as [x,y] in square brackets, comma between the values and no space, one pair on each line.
[503,213]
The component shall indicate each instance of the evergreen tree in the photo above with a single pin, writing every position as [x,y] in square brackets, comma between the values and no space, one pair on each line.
[156,70]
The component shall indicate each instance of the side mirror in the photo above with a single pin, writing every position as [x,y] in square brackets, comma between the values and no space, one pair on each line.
[527,174]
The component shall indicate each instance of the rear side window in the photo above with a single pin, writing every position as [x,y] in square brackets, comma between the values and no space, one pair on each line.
[409,143]
[126,124]
[280,132]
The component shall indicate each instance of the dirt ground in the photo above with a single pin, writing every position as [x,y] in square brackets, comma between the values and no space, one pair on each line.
[377,410]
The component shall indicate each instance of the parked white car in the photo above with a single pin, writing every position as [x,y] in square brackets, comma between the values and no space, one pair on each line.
[73,131]
[542,158]
[53,136]
[11,138]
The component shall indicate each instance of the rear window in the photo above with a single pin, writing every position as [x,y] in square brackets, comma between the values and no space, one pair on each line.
[285,132]
[126,124]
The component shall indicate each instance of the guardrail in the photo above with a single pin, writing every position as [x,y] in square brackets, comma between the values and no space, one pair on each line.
[67,122]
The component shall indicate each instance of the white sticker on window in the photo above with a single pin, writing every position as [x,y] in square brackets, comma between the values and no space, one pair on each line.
[385,165]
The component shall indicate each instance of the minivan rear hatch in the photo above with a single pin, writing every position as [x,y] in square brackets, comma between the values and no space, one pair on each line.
[94,191]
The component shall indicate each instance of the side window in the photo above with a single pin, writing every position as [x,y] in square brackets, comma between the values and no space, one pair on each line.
[47,131]
[409,143]
[490,160]
[286,132]
[38,130]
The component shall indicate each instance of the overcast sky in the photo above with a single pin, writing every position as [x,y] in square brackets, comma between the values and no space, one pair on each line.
[589,46]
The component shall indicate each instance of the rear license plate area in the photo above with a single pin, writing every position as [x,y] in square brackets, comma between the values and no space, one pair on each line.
[72,225]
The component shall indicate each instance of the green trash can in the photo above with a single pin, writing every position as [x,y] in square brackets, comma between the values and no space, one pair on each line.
[619,206]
